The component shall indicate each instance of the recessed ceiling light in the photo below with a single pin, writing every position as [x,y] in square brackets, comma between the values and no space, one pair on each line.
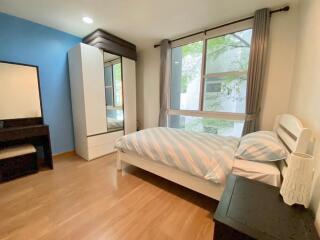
[87,20]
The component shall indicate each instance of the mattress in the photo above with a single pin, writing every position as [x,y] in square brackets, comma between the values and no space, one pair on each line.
[266,172]
[204,155]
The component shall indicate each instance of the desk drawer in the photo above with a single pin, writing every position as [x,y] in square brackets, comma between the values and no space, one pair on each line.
[11,134]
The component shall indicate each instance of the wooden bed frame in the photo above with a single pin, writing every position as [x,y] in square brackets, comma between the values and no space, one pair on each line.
[288,128]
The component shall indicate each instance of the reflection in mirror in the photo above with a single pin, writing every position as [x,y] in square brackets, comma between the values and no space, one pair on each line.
[113,92]
[19,91]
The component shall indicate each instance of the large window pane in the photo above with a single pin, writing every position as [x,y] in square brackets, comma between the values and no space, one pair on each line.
[227,61]
[228,52]
[224,82]
[225,93]
[186,76]
[209,125]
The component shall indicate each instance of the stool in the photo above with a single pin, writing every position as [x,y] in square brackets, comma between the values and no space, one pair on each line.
[17,161]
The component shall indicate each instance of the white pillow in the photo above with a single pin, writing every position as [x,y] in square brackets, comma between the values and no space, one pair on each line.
[261,146]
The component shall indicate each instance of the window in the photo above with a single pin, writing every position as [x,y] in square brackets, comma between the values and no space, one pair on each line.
[208,84]
[186,72]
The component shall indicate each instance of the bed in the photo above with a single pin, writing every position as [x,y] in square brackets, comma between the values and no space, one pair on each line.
[211,183]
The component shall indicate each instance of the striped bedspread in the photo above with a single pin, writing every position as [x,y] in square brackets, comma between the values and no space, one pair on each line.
[201,154]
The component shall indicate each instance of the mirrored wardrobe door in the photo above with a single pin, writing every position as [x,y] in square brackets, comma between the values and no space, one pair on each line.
[113,92]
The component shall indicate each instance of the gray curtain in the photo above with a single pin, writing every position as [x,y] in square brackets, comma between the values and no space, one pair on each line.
[165,63]
[256,70]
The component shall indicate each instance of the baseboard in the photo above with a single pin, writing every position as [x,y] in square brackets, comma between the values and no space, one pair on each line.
[317,224]
[65,154]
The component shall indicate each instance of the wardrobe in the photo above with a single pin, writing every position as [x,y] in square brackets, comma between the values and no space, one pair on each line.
[103,93]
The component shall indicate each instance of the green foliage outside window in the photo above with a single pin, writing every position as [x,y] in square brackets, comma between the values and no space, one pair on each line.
[216,47]
[208,125]
[117,84]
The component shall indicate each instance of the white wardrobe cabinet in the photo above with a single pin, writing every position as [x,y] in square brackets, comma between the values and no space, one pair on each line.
[88,95]
[129,93]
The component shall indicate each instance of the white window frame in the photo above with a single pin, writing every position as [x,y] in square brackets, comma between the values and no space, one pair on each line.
[237,27]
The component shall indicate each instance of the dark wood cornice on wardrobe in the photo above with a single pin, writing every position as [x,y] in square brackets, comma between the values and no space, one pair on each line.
[111,43]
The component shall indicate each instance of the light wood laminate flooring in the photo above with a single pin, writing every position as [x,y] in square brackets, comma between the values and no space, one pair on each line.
[92,200]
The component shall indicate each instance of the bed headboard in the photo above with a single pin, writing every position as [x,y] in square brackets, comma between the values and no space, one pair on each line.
[293,135]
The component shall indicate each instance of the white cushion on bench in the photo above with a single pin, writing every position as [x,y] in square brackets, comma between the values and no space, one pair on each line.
[15,151]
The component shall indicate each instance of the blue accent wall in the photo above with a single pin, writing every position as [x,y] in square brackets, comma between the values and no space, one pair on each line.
[31,43]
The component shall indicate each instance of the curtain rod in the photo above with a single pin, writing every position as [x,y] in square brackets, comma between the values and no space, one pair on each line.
[284,9]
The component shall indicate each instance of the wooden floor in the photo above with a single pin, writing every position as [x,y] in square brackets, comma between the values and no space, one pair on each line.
[92,200]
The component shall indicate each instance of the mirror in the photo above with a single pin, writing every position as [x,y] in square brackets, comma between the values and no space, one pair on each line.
[19,91]
[113,91]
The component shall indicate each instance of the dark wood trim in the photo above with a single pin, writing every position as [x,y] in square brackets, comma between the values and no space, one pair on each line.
[38,76]
[104,34]
[111,43]
[21,122]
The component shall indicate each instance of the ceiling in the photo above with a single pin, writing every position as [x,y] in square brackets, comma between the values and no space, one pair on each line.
[142,22]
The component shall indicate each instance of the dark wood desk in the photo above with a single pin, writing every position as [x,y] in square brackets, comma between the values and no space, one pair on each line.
[37,134]
[253,210]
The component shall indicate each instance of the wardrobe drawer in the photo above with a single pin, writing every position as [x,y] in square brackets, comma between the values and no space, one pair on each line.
[102,144]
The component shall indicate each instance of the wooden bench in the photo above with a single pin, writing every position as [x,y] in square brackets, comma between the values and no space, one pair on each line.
[16,161]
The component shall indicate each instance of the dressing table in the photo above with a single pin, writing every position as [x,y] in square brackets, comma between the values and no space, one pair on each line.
[21,120]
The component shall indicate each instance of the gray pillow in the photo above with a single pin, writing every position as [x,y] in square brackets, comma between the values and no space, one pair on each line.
[261,146]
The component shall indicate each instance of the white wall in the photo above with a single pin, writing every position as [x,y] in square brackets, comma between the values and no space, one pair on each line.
[305,96]
[148,84]
[280,63]
[278,75]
